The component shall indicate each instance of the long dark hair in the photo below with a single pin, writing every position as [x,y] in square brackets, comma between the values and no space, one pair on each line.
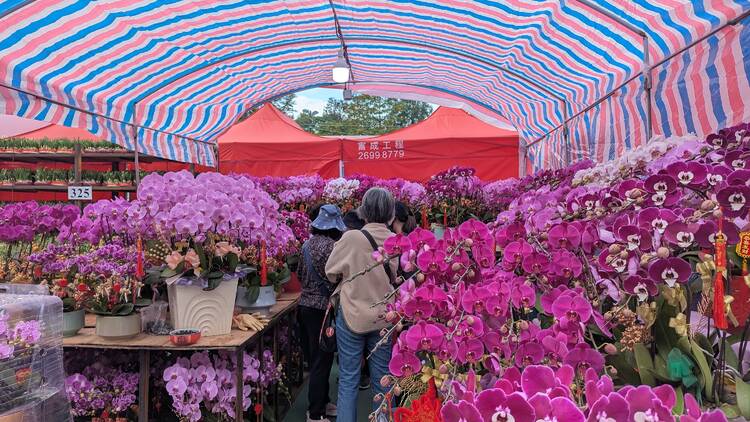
[406,216]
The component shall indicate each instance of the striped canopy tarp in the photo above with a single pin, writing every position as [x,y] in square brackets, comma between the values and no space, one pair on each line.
[167,77]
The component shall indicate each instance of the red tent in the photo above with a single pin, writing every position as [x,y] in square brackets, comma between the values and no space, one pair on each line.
[270,143]
[447,138]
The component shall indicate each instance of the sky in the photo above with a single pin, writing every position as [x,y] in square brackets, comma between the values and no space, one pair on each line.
[315,99]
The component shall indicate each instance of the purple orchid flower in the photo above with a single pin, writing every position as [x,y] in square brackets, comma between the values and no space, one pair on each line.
[566,265]
[681,234]
[535,263]
[646,406]
[424,336]
[669,271]
[640,286]
[421,238]
[706,234]
[558,409]
[717,176]
[564,236]
[432,262]
[530,353]
[734,200]
[470,350]
[541,379]
[582,357]
[396,245]
[515,252]
[404,363]
[687,174]
[462,411]
[495,405]
[610,408]
[634,237]
[572,307]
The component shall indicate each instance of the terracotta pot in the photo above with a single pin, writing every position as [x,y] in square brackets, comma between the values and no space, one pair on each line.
[293,285]
[73,322]
[209,311]
[118,327]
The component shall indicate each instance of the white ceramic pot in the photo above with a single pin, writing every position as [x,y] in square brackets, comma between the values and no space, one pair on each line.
[266,299]
[118,327]
[73,322]
[208,311]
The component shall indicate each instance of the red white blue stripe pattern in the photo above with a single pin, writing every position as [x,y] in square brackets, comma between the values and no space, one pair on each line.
[173,75]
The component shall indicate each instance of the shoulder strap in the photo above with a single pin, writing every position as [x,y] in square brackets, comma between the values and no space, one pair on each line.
[374,245]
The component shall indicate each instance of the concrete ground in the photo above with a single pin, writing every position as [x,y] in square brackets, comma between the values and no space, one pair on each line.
[299,409]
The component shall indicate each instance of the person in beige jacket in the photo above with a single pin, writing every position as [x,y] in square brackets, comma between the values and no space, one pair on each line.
[358,323]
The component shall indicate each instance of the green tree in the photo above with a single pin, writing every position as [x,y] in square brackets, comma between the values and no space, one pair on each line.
[286,104]
[364,115]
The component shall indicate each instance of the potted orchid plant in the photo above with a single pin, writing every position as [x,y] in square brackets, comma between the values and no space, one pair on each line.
[19,341]
[114,302]
[202,225]
[75,296]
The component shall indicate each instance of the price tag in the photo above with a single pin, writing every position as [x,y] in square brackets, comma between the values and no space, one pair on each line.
[79,193]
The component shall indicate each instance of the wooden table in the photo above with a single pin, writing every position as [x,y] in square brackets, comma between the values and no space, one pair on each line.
[236,341]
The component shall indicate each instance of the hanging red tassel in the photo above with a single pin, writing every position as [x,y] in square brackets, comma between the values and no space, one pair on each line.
[263,264]
[425,223]
[139,258]
[719,312]
[445,216]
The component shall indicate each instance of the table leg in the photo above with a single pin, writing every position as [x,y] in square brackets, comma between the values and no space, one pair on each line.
[276,361]
[144,368]
[239,402]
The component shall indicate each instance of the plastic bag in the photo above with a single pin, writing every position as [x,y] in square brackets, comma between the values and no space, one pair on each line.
[154,319]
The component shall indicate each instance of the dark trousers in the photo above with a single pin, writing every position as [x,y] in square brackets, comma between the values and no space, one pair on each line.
[311,320]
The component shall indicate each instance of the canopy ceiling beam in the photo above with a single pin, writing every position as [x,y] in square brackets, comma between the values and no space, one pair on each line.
[151,92]
[20,5]
[94,114]
[731,22]
[646,70]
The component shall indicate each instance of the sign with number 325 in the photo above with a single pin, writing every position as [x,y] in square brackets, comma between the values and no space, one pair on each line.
[79,193]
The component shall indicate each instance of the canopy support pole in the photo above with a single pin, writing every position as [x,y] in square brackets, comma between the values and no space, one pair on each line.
[646,71]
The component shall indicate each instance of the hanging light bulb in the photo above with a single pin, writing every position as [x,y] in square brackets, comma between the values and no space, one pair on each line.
[341,69]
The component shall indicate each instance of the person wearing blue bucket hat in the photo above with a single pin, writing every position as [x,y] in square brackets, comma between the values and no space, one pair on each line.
[326,228]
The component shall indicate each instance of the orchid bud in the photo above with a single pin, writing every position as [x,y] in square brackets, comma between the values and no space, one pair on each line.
[470,274]
[378,397]
[613,371]
[391,316]
[385,381]
[624,254]
[523,324]
[420,277]
[543,236]
[469,242]
[503,330]
[614,249]
[450,323]
[610,349]
[383,332]
[397,390]
[456,266]
[469,319]
[399,327]
[443,369]
[718,214]
[662,252]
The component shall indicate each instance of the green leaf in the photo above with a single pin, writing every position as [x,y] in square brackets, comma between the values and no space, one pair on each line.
[212,284]
[142,301]
[201,254]
[731,411]
[743,397]
[252,294]
[679,404]
[69,304]
[731,358]
[168,272]
[645,364]
[232,261]
[660,369]
[705,369]
[123,309]
[624,362]
[215,275]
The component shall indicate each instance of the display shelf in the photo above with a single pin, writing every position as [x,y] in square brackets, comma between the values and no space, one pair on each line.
[63,188]
[69,157]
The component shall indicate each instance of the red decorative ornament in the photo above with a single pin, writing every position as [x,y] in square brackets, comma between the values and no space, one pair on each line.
[258,409]
[424,409]
[445,217]
[263,264]
[719,312]
[425,223]
[139,258]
